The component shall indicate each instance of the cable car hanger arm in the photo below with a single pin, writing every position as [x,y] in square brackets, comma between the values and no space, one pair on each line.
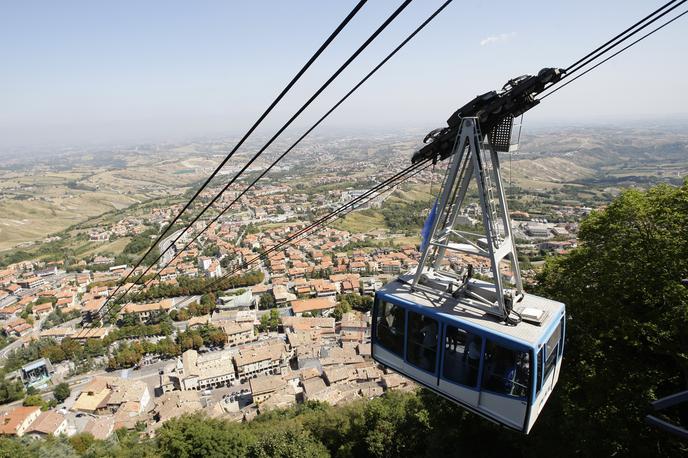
[491,109]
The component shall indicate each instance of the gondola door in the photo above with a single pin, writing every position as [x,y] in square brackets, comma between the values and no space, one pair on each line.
[505,383]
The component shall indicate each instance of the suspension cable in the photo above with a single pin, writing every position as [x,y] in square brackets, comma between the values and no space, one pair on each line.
[313,127]
[613,55]
[340,212]
[571,69]
[578,65]
[281,95]
[601,53]
[365,44]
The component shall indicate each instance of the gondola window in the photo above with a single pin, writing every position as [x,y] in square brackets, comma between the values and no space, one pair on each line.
[505,371]
[390,326]
[422,341]
[461,356]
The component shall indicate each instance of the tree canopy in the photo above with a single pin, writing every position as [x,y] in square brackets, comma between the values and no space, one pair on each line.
[269,321]
[627,337]
[61,392]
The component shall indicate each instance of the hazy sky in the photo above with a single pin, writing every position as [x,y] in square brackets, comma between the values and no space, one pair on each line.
[76,72]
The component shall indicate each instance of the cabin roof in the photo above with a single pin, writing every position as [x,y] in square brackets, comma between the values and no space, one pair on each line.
[526,333]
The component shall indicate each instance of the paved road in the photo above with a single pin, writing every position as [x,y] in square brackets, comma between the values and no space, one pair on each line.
[166,242]
[180,302]
[241,236]
[52,280]
[266,273]
[34,334]
[11,347]
[180,325]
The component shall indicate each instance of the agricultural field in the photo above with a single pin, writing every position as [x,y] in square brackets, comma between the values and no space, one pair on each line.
[360,221]
[36,201]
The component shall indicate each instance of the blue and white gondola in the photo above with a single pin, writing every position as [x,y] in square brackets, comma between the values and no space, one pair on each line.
[503,373]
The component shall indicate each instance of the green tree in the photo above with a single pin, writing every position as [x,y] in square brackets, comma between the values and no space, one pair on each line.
[197,341]
[357,302]
[198,436]
[10,390]
[395,425]
[217,338]
[140,242]
[208,299]
[5,341]
[46,299]
[269,321]
[626,336]
[166,328]
[54,447]
[227,261]
[61,392]
[34,400]
[94,347]
[290,442]
[340,309]
[71,348]
[129,319]
[11,447]
[81,442]
[167,348]
[186,342]
[183,315]
[267,301]
[211,250]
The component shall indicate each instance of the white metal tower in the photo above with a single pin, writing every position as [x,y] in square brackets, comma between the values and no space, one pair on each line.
[474,158]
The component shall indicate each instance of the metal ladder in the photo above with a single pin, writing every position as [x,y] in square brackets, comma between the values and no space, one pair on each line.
[486,169]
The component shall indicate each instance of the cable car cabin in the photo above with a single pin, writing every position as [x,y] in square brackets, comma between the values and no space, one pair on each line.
[504,373]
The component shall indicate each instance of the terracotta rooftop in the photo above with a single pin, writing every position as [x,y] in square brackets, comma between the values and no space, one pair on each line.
[272,351]
[47,422]
[308,305]
[12,419]
[298,323]
[91,333]
[266,384]
[165,304]
[100,427]
[93,305]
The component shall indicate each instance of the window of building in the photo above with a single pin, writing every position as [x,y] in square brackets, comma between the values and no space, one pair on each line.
[506,371]
[461,356]
[421,348]
[389,327]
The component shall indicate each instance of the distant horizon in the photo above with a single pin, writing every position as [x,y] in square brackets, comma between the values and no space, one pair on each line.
[81,74]
[670,122]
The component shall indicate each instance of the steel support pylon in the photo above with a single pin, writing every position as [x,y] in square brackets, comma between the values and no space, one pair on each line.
[473,158]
